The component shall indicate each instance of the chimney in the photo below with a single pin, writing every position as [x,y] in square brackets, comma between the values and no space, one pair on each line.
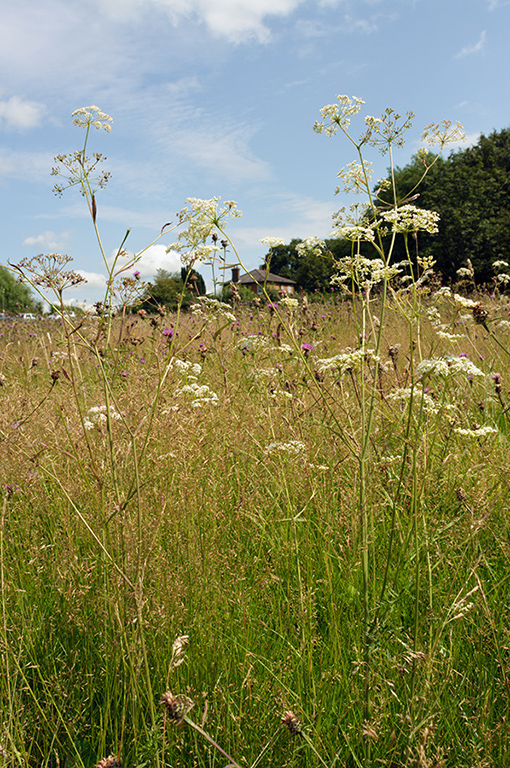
[235,274]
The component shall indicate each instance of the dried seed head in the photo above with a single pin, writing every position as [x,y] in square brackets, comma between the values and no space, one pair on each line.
[292,722]
[109,762]
[480,314]
[461,494]
[177,707]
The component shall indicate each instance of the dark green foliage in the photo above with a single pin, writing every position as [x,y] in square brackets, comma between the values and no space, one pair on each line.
[15,297]
[167,288]
[471,191]
[311,272]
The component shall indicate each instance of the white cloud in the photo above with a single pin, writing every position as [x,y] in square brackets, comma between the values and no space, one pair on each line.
[95,280]
[17,114]
[236,20]
[48,241]
[154,258]
[468,50]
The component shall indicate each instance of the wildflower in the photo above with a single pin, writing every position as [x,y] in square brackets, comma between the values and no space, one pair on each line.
[443,133]
[477,432]
[293,447]
[461,301]
[409,218]
[500,264]
[289,303]
[292,722]
[272,241]
[136,274]
[311,245]
[307,348]
[200,394]
[347,361]
[97,416]
[202,218]
[177,707]
[339,115]
[92,116]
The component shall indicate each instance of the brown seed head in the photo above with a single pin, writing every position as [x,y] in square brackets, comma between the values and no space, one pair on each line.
[292,722]
[109,762]
[480,314]
[177,707]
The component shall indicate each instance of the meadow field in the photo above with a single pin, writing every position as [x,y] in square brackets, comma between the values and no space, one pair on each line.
[269,534]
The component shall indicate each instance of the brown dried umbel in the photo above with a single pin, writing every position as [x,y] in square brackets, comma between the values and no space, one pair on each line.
[292,722]
[177,707]
[109,762]
[480,314]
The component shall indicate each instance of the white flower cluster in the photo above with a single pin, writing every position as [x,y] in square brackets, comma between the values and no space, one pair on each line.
[201,216]
[97,416]
[409,218]
[450,336]
[339,115]
[434,315]
[289,303]
[251,344]
[207,305]
[272,241]
[311,245]
[443,133]
[355,177]
[463,273]
[346,361]
[462,301]
[503,278]
[92,116]
[200,394]
[354,233]
[500,264]
[447,366]
[186,368]
[362,271]
[293,447]
[420,399]
[478,432]
[504,325]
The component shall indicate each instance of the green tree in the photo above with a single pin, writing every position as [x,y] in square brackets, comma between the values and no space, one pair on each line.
[471,192]
[167,287]
[15,297]
[311,272]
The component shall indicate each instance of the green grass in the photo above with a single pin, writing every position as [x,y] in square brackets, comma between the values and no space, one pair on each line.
[176,520]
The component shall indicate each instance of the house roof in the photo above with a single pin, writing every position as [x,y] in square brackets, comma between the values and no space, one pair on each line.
[261,276]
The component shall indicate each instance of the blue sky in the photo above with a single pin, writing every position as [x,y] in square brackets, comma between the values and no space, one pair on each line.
[219,97]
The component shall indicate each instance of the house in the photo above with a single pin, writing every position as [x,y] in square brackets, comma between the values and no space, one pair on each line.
[255,279]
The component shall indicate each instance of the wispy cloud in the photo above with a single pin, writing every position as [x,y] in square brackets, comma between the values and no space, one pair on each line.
[18,114]
[48,241]
[468,50]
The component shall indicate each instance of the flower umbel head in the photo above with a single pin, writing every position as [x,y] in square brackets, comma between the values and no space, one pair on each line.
[92,116]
